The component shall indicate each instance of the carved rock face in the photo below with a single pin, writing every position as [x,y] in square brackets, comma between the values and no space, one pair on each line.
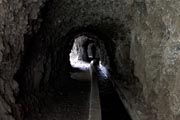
[141,38]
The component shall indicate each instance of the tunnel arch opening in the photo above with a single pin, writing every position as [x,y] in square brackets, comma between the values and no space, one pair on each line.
[79,52]
[104,30]
[99,38]
[103,33]
[84,51]
[60,56]
[106,87]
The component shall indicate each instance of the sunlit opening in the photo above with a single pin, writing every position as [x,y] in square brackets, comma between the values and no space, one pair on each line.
[78,56]
[77,53]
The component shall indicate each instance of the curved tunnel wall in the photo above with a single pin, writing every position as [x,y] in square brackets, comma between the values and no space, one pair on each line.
[69,38]
[142,39]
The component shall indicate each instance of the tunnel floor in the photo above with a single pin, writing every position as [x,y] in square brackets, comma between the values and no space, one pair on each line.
[74,105]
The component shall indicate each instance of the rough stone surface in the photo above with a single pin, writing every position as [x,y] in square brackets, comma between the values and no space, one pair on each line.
[156,55]
[142,39]
[14,17]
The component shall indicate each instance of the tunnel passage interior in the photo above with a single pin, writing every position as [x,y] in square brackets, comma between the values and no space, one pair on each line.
[81,51]
[140,48]
[45,83]
[66,88]
[85,49]
[80,56]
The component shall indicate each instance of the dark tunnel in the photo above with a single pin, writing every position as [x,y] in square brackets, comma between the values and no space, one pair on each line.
[44,75]
[89,60]
[63,90]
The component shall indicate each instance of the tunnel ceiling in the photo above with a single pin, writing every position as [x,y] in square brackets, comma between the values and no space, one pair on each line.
[141,38]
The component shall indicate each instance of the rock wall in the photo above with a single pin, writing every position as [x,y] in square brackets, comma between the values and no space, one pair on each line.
[155,51]
[141,38]
[14,17]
